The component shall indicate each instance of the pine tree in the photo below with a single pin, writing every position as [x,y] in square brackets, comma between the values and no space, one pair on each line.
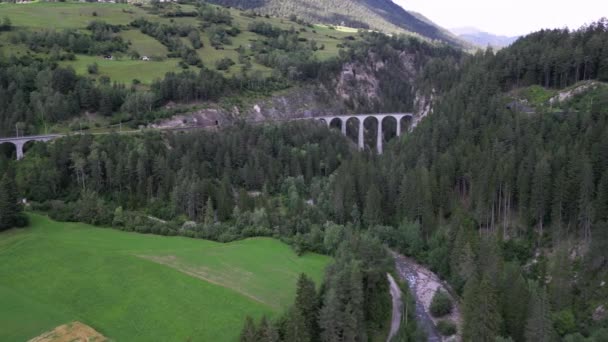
[540,192]
[585,201]
[539,327]
[295,327]
[331,318]
[267,332]
[248,334]
[481,311]
[602,198]
[489,315]
[209,213]
[515,301]
[9,207]
[469,309]
[306,304]
[372,211]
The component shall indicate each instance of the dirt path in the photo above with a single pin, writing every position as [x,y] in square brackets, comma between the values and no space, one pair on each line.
[397,307]
[423,283]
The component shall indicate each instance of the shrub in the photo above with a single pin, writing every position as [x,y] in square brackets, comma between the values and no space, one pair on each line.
[441,304]
[93,69]
[224,64]
[564,322]
[446,328]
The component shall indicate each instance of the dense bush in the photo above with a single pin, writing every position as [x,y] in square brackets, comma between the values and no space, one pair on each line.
[224,63]
[446,328]
[441,304]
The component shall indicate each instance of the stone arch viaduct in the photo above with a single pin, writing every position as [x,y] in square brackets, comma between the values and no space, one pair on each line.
[361,118]
[19,142]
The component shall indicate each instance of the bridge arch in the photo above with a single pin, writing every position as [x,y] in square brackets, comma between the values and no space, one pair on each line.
[372,125]
[8,149]
[20,142]
[389,128]
[336,122]
[373,129]
[352,124]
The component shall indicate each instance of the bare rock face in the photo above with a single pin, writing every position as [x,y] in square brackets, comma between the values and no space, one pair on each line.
[356,89]
[568,94]
[200,118]
[359,83]
[600,313]
[301,102]
[357,79]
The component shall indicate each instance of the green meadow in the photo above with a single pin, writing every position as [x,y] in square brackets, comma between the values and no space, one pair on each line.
[77,15]
[124,70]
[133,287]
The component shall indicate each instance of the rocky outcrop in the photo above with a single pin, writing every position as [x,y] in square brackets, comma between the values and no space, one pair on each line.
[201,118]
[568,94]
[600,313]
[300,102]
[356,89]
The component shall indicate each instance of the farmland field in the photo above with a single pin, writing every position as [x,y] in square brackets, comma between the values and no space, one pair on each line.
[133,287]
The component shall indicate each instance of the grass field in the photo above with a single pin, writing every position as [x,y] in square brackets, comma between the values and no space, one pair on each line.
[125,70]
[133,287]
[144,44]
[77,15]
[61,15]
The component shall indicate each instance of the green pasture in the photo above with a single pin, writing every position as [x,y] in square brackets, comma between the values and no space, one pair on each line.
[77,15]
[133,287]
[125,70]
[59,15]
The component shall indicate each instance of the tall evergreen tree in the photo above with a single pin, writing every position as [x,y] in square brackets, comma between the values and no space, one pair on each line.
[248,333]
[539,327]
[10,209]
[372,211]
[306,303]
[481,311]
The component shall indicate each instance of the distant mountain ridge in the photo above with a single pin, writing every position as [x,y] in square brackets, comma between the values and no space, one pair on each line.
[481,38]
[383,15]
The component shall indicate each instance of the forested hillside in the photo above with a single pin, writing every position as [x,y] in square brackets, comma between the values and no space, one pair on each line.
[123,63]
[383,15]
[502,190]
[514,199]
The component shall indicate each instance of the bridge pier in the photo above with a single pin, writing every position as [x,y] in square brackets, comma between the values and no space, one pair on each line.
[360,141]
[19,149]
[398,127]
[379,136]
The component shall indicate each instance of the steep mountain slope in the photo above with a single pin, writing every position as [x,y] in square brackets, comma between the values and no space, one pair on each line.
[382,15]
[482,38]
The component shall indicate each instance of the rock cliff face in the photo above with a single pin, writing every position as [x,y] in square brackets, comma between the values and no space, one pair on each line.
[357,88]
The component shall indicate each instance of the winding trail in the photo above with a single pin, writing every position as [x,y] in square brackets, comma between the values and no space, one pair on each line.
[397,307]
[423,284]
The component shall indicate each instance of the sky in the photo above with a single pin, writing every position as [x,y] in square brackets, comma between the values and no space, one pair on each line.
[509,17]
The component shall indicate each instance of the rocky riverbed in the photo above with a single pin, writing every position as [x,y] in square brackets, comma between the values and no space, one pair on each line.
[423,284]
